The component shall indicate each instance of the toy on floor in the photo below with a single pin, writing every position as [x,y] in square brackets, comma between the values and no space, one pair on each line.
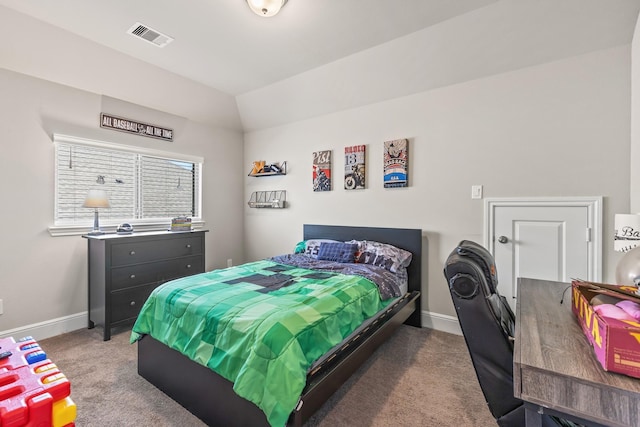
[33,391]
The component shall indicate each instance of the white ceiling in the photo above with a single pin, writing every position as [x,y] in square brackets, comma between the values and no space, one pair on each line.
[245,72]
[224,45]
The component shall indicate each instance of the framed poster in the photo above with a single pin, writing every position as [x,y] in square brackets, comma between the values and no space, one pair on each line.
[322,170]
[354,167]
[396,161]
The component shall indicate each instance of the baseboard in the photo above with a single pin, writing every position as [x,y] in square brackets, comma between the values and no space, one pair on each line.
[441,322]
[49,328]
[61,325]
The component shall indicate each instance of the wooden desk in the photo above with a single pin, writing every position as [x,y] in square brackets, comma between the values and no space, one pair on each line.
[554,368]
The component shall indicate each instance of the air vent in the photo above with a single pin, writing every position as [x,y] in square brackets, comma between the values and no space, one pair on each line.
[149,34]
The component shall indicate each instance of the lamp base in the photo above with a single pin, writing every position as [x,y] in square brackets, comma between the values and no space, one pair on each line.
[96,225]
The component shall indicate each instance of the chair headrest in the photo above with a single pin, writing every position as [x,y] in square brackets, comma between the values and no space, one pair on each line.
[484,258]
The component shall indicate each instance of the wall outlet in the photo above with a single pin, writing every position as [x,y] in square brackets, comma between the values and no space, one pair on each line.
[229,262]
[1,307]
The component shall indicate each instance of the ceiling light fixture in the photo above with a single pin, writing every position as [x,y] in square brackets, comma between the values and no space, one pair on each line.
[266,8]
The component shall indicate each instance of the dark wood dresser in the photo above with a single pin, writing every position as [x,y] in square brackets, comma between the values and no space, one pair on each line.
[124,269]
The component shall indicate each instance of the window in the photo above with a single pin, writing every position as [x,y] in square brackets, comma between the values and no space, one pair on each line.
[146,187]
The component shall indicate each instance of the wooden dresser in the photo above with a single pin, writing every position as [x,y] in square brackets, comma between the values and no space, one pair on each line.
[124,269]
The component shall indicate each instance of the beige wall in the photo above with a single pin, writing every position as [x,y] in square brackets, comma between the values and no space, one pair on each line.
[634,157]
[52,81]
[44,278]
[557,129]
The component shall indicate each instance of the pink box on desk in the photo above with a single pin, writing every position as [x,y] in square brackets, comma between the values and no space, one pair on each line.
[616,343]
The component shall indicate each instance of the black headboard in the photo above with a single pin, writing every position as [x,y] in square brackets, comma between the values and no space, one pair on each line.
[409,239]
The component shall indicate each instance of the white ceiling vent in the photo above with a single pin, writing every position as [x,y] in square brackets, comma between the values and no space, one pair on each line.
[150,35]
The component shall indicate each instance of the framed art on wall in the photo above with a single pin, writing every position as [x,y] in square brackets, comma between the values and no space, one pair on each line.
[354,167]
[396,161]
[322,170]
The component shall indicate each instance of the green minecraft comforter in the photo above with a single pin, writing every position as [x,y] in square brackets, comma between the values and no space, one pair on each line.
[260,325]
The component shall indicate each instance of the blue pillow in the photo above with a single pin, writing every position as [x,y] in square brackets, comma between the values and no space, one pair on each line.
[339,252]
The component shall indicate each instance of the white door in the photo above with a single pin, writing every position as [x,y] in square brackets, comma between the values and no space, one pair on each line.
[543,240]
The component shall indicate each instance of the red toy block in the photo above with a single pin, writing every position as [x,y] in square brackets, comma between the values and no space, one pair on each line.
[24,352]
[27,394]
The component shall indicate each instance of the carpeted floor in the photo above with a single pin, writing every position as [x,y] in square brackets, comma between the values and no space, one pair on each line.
[420,377]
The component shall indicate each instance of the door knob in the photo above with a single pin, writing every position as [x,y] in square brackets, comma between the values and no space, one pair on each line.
[503,239]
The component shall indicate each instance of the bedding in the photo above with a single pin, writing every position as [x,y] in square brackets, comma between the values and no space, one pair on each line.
[389,284]
[381,254]
[261,325]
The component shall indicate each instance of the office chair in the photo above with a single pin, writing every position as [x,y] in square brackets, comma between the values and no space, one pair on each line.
[487,323]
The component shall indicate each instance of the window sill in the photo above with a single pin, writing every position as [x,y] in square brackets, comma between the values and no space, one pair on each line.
[79,230]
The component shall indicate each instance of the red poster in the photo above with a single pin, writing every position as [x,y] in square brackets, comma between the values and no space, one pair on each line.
[322,170]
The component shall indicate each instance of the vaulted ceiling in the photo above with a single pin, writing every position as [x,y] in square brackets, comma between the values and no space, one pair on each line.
[225,46]
[222,44]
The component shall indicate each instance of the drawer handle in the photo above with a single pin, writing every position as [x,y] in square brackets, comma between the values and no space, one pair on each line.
[132,303]
[132,253]
[188,246]
[188,265]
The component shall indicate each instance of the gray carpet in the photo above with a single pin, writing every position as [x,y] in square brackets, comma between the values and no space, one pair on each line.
[420,377]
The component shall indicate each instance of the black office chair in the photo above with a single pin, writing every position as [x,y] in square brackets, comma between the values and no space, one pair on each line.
[487,323]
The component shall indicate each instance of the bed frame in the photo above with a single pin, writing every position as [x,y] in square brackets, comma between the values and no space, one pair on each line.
[211,397]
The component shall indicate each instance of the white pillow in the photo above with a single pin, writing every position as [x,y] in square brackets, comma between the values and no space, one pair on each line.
[383,255]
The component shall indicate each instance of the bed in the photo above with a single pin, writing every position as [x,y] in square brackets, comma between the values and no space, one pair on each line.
[212,398]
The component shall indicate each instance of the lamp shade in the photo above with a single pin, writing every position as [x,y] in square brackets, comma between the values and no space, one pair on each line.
[266,7]
[96,199]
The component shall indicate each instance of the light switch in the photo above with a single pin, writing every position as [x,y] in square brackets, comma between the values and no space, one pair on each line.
[476,191]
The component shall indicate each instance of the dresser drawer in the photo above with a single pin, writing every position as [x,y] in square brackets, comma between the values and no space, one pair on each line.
[124,270]
[126,305]
[155,272]
[144,251]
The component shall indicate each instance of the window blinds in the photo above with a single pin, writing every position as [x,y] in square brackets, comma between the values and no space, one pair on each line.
[139,186]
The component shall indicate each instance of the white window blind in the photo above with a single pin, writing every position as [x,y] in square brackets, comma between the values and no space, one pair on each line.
[142,185]
[167,187]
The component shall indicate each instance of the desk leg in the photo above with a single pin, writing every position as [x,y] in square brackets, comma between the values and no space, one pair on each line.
[532,418]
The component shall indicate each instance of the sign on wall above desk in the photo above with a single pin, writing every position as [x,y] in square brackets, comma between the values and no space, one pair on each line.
[130,126]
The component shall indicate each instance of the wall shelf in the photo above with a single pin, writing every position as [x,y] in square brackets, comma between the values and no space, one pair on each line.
[275,199]
[282,167]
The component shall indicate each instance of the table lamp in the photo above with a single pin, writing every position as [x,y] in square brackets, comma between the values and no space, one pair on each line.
[96,199]
[627,239]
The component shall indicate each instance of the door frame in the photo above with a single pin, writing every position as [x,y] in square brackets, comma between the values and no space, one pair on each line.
[594,221]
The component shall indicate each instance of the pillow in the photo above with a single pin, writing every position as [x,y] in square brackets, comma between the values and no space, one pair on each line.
[339,252]
[612,312]
[312,246]
[300,247]
[631,308]
[383,255]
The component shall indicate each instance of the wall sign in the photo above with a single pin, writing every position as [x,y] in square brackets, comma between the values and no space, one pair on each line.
[354,167]
[322,170]
[130,126]
[396,161]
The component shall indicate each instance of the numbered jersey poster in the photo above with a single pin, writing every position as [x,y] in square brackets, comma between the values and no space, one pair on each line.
[354,167]
[322,170]
[396,161]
